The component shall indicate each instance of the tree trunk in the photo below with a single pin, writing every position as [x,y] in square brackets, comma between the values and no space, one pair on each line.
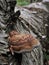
[29,22]
[34,57]
[30,1]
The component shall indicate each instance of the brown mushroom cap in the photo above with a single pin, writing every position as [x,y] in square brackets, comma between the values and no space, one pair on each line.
[22,42]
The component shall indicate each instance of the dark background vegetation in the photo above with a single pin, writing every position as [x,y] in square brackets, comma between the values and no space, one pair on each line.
[23,2]
[26,2]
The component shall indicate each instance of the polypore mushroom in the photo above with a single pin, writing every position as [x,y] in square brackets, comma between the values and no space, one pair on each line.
[21,42]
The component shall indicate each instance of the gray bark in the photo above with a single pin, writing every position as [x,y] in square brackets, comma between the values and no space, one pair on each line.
[43,8]
[28,22]
[34,57]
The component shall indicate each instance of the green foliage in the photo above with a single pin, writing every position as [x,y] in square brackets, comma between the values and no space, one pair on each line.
[22,2]
[46,56]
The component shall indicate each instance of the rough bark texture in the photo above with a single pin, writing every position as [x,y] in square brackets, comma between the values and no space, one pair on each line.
[29,22]
[33,57]
[43,8]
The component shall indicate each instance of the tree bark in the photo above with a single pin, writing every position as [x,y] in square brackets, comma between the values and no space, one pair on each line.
[30,1]
[28,22]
